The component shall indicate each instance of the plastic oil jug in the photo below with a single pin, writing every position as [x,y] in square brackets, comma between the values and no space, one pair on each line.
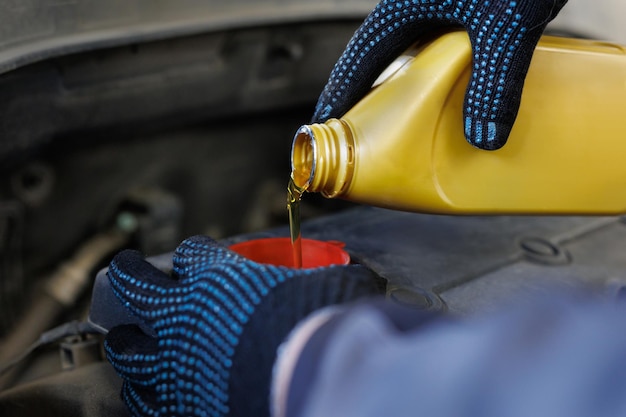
[402,145]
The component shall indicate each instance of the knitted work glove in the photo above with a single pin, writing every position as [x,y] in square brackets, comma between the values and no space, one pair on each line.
[503,34]
[218,322]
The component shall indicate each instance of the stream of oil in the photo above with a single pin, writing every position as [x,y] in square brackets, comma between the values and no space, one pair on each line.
[294,194]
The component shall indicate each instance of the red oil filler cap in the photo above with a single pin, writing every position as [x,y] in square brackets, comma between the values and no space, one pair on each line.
[278,251]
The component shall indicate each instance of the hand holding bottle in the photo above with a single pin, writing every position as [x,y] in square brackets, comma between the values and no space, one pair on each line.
[503,34]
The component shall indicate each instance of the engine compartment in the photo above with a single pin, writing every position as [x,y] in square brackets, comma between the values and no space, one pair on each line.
[189,132]
[178,136]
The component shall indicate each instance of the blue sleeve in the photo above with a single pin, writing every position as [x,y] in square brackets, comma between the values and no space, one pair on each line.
[552,357]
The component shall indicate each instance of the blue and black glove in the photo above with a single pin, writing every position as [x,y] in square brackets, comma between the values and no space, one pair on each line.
[503,34]
[218,323]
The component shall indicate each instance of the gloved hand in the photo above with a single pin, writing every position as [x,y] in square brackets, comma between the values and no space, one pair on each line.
[218,322]
[503,34]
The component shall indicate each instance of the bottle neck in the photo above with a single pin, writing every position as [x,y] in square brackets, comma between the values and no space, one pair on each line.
[322,158]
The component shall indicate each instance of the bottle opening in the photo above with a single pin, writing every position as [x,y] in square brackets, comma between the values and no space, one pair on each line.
[303,157]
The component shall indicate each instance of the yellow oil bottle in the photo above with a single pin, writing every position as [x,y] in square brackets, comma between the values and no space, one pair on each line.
[402,146]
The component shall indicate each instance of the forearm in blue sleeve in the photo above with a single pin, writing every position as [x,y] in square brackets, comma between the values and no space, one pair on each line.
[553,357]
